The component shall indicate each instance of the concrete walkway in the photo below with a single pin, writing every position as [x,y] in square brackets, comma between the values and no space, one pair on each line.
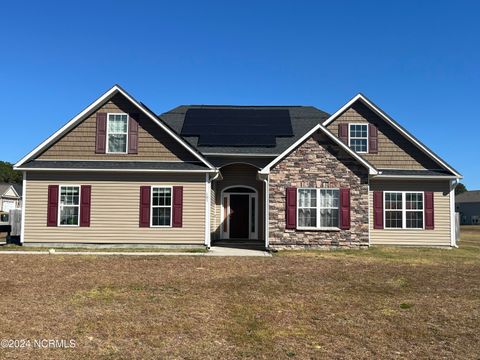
[214,251]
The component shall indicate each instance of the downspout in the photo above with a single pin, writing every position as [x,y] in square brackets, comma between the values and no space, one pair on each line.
[265,179]
[453,240]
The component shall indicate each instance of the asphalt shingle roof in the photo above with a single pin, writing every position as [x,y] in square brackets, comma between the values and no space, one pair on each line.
[468,197]
[111,165]
[415,172]
[5,186]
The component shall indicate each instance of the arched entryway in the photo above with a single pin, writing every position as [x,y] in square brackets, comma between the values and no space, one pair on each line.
[237,212]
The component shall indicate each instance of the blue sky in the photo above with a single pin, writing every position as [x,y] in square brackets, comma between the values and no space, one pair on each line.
[418,60]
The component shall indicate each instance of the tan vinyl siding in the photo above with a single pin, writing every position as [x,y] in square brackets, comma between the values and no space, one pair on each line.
[239,175]
[394,150]
[115,209]
[440,236]
[153,142]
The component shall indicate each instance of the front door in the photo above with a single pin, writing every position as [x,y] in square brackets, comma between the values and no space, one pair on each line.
[239,205]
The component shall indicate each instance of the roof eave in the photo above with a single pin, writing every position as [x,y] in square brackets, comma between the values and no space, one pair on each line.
[414,177]
[119,170]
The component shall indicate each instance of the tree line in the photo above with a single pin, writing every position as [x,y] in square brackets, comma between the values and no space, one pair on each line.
[8,175]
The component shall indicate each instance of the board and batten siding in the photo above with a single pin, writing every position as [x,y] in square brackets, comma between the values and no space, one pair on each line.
[153,142]
[439,236]
[394,150]
[115,209]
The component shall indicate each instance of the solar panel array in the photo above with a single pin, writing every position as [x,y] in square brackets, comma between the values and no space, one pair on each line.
[237,127]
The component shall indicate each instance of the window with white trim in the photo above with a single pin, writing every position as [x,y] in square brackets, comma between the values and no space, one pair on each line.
[69,206]
[358,137]
[404,210]
[161,208]
[117,133]
[318,208]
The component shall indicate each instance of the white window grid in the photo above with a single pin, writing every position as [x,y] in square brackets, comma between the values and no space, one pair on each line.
[152,206]
[318,207]
[62,206]
[352,130]
[109,115]
[404,210]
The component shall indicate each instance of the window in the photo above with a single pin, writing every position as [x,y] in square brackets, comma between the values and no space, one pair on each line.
[161,206]
[403,210]
[358,137]
[414,210]
[69,205]
[117,130]
[307,207]
[318,208]
[393,210]
[329,203]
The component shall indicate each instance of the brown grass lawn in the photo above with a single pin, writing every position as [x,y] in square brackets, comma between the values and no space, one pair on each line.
[377,303]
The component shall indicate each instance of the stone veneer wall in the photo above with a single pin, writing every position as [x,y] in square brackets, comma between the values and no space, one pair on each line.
[319,163]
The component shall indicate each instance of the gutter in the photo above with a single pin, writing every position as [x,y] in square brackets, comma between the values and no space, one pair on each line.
[264,178]
[414,177]
[116,170]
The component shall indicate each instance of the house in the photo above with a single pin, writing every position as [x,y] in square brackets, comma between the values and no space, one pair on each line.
[10,196]
[280,176]
[468,205]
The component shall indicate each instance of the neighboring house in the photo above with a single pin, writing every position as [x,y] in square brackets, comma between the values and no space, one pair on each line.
[10,197]
[468,205]
[284,176]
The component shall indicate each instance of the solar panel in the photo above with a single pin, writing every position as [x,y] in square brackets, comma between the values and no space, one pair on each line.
[237,127]
[237,140]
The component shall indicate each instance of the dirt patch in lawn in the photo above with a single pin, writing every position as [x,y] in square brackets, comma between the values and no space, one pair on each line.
[102,249]
[384,303]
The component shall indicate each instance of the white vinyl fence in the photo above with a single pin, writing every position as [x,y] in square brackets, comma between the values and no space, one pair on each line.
[457,227]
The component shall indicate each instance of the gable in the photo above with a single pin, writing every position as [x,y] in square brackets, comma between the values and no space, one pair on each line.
[10,192]
[153,142]
[398,130]
[394,150]
[328,136]
[140,110]
[323,158]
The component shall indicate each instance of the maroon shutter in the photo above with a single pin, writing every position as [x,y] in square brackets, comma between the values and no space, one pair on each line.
[429,211]
[372,139]
[291,208]
[85,198]
[101,140]
[344,209]
[52,209]
[343,133]
[378,209]
[177,206]
[133,134]
[144,206]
